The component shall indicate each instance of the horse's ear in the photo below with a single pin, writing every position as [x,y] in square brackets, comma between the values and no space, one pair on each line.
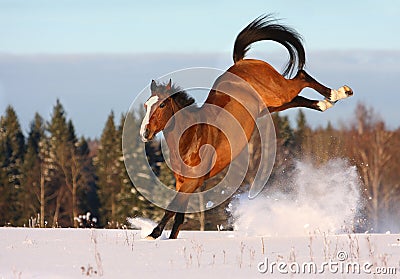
[168,87]
[153,85]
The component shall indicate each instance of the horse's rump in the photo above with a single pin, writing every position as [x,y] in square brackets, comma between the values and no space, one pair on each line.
[265,80]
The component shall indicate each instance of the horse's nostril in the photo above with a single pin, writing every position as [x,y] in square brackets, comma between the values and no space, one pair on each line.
[146,133]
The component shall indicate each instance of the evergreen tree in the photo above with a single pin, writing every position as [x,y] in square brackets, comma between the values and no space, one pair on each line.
[59,134]
[47,170]
[130,200]
[285,152]
[128,194]
[70,163]
[4,189]
[108,169]
[302,136]
[86,189]
[33,172]
[12,145]
[135,155]
[75,170]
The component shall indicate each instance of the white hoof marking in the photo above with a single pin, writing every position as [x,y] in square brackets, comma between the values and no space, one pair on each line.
[341,93]
[324,105]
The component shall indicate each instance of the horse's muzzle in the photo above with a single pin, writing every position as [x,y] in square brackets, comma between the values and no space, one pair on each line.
[146,136]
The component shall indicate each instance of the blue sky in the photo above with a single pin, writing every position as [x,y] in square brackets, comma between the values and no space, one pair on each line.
[95,26]
[97,55]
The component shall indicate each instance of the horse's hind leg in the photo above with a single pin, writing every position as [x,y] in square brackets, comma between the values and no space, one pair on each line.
[330,94]
[300,101]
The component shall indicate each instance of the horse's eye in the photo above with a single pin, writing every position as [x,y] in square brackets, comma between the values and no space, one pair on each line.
[162,105]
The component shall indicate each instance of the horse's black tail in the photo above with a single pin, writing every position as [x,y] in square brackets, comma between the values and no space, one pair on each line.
[264,28]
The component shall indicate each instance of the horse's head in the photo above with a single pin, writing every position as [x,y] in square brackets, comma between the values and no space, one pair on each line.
[165,100]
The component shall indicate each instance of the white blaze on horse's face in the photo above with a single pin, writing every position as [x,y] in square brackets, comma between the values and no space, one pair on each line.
[149,104]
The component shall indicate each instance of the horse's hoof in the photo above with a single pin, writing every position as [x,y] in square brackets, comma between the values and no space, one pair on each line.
[347,90]
[149,237]
[342,93]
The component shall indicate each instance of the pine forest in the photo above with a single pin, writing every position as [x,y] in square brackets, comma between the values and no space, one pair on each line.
[52,177]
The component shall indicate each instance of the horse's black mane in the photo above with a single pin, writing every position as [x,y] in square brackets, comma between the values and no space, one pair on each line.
[180,96]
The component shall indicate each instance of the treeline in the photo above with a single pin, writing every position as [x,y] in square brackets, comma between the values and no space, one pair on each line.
[55,178]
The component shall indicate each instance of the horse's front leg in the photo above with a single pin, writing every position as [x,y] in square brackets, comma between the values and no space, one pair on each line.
[177,206]
[157,231]
[179,218]
[184,186]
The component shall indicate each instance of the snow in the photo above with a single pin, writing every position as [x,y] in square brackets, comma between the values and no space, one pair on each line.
[77,253]
[277,235]
[326,203]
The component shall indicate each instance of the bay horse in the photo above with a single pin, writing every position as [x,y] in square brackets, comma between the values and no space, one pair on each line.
[272,90]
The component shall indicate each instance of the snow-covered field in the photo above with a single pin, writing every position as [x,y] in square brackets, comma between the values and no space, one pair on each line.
[78,253]
[277,235]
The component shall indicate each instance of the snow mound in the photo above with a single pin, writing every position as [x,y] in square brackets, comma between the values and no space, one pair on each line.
[323,200]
